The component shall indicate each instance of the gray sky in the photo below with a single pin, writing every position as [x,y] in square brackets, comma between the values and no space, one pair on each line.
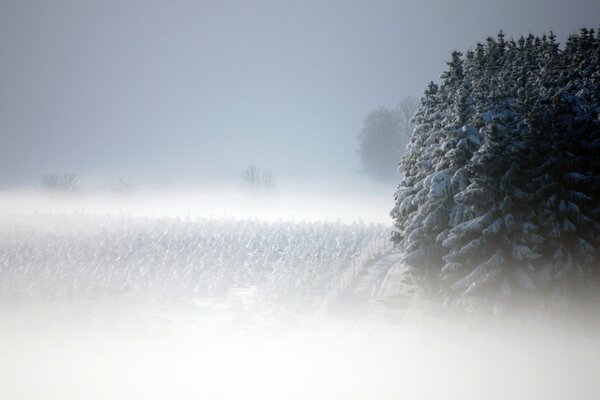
[182,89]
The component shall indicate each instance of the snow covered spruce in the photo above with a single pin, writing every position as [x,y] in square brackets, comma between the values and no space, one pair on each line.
[500,198]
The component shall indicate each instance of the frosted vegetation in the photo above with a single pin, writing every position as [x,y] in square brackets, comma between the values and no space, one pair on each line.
[500,198]
[74,257]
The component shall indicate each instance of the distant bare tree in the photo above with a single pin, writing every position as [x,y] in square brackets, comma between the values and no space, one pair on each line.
[268,183]
[122,186]
[59,183]
[406,109]
[257,181]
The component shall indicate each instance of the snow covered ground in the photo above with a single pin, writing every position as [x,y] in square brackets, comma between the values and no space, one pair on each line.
[121,305]
[80,257]
[124,357]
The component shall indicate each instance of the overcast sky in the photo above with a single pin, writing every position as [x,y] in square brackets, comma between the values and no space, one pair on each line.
[197,90]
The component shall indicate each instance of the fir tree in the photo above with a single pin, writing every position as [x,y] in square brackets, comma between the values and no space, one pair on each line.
[501,187]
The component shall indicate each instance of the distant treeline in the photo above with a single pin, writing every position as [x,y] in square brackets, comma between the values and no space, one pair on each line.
[500,198]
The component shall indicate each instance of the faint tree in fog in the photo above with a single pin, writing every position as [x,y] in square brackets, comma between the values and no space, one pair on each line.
[122,186]
[59,183]
[406,109]
[383,138]
[257,181]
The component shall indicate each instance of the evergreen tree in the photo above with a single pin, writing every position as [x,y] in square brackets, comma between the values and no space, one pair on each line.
[500,193]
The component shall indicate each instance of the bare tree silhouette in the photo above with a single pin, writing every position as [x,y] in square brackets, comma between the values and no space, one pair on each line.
[59,183]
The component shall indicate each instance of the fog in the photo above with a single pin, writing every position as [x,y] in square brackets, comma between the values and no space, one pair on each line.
[107,351]
[363,201]
[226,295]
[195,91]
[184,213]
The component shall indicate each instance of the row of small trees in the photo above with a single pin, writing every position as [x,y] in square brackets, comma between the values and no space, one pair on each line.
[68,183]
[254,181]
[501,187]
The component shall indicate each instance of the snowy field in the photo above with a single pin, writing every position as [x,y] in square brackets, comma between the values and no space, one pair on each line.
[125,356]
[121,298]
[80,257]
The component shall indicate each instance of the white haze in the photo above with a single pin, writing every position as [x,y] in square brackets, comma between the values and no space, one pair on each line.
[91,344]
[181,96]
[358,202]
[106,353]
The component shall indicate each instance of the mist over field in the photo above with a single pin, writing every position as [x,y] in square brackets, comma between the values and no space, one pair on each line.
[294,202]
[299,200]
[228,294]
